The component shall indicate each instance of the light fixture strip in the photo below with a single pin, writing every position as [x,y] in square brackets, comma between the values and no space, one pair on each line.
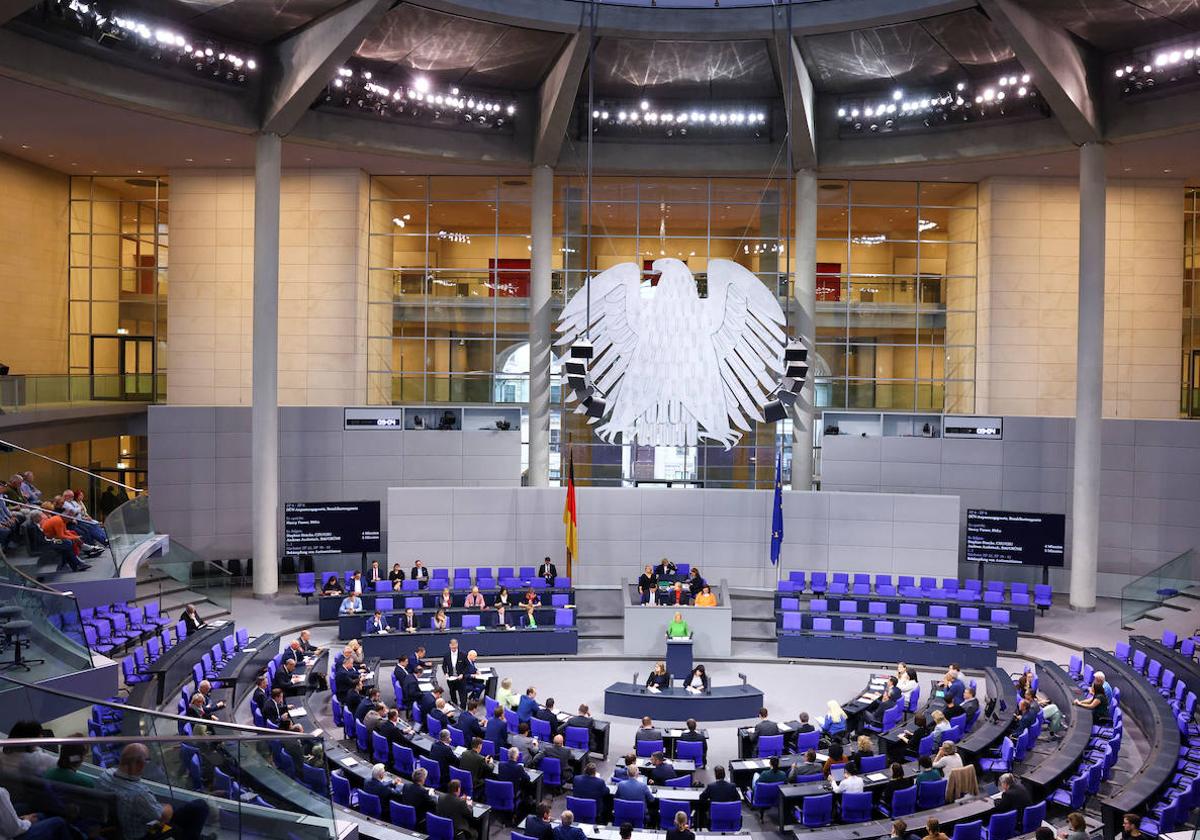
[964,98]
[421,92]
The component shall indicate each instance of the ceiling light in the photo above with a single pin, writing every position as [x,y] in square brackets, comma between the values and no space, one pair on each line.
[421,84]
[645,105]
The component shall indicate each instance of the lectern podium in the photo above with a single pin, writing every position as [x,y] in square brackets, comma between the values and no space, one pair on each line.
[679,657]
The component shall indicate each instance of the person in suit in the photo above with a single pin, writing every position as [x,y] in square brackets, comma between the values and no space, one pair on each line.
[191,619]
[389,727]
[808,767]
[678,596]
[276,711]
[408,621]
[259,696]
[418,664]
[366,704]
[567,830]
[665,568]
[953,687]
[420,574]
[633,788]
[439,713]
[445,600]
[454,667]
[292,651]
[196,711]
[1025,717]
[524,742]
[333,585]
[283,676]
[396,576]
[886,701]
[1014,796]
[528,705]
[476,763]
[661,770]
[968,707]
[356,583]
[763,727]
[415,795]
[659,678]
[351,604]
[376,623]
[496,729]
[582,719]
[647,731]
[695,583]
[555,749]
[307,648]
[344,679]
[454,807]
[591,786]
[468,723]
[512,769]
[473,686]
[354,697]
[719,789]
[548,572]
[804,726]
[547,713]
[690,733]
[374,574]
[378,785]
[537,824]
[375,717]
[442,752]
[401,674]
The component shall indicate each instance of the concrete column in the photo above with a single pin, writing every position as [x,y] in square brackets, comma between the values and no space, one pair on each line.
[1089,379]
[541,331]
[804,274]
[264,412]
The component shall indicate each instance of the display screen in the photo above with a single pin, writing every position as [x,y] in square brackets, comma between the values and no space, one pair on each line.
[330,527]
[1005,536]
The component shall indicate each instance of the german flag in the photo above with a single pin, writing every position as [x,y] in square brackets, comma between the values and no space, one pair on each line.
[569,514]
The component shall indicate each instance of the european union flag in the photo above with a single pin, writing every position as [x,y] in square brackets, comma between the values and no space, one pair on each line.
[777,514]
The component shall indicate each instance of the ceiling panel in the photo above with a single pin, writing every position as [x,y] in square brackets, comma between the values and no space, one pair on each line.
[243,21]
[677,69]
[457,50]
[1116,25]
[932,51]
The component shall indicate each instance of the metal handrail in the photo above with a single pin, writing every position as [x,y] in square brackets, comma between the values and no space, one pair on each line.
[72,467]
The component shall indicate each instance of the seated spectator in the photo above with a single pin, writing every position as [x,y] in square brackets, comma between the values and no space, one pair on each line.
[696,584]
[537,824]
[65,550]
[29,490]
[92,531]
[947,759]
[25,762]
[29,826]
[9,522]
[396,575]
[379,785]
[567,830]
[940,725]
[70,759]
[474,599]
[851,782]
[12,490]
[55,527]
[137,807]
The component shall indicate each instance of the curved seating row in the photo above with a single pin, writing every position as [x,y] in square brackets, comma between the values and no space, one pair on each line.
[885,640]
[969,589]
[328,605]
[1022,615]
[999,630]
[557,614]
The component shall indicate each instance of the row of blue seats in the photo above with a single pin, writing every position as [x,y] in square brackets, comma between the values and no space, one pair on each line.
[109,627]
[793,622]
[966,614]
[484,579]
[844,583]
[563,617]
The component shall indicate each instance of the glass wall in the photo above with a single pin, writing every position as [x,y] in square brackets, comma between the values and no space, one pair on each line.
[118,286]
[1189,404]
[896,295]
[449,266]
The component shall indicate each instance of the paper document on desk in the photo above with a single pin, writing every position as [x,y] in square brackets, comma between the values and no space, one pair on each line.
[876,777]
[368,675]
[691,690]
[317,732]
[254,650]
[784,728]
[348,761]
[297,713]
[653,690]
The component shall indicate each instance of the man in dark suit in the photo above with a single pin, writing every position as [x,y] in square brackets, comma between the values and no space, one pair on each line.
[665,568]
[354,698]
[690,733]
[344,679]
[276,711]
[590,786]
[454,667]
[438,713]
[555,749]
[537,825]
[443,753]
[548,572]
[764,727]
[366,704]
[1014,796]
[376,624]
[306,645]
[283,676]
[292,651]
[468,722]
[512,770]
[496,730]
[719,790]
[378,785]
[890,696]
[583,719]
[805,726]
[661,770]
[408,622]
[401,674]
[414,794]
[454,807]
[647,731]
[374,574]
[475,763]
[191,619]
[259,696]
[390,726]
[420,574]
[472,685]
[546,712]
[567,830]
[428,700]
[970,704]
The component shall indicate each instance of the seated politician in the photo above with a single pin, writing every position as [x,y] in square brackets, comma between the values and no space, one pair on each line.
[351,604]
[706,598]
[333,585]
[659,678]
[376,623]
[697,680]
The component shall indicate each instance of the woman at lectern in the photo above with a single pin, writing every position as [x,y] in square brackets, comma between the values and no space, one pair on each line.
[698,680]
[678,628]
[659,678]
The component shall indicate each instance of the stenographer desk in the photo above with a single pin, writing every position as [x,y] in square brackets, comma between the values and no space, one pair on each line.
[870,647]
[723,702]
[540,641]
[1152,713]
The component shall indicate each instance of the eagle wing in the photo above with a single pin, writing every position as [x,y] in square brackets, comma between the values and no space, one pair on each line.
[615,324]
[745,323]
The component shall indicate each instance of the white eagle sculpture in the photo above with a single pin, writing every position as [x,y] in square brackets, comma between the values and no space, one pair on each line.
[675,368]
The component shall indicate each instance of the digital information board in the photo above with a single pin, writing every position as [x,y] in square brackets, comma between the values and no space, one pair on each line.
[1015,538]
[330,527]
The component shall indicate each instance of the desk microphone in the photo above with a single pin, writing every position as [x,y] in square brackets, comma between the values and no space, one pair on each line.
[635,677]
